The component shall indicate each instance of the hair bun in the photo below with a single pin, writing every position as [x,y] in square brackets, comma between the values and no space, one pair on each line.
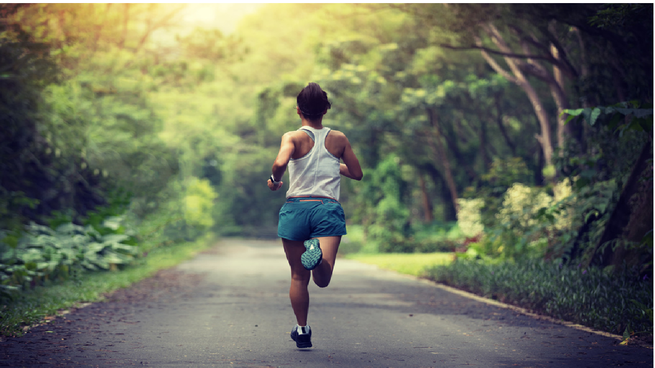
[313,101]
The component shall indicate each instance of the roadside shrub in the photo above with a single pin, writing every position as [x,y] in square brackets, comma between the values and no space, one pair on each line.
[431,246]
[612,302]
[528,223]
[502,174]
[469,219]
[44,254]
[386,217]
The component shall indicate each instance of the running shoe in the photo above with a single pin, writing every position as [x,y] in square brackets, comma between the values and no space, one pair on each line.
[313,254]
[303,339]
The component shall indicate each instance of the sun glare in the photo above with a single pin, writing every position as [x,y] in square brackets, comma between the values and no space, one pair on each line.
[225,17]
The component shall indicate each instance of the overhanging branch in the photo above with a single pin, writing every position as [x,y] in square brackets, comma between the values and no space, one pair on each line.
[496,52]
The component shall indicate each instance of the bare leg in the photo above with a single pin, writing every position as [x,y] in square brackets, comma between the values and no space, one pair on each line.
[299,280]
[323,272]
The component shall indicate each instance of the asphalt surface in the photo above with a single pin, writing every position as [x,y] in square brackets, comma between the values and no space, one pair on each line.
[229,307]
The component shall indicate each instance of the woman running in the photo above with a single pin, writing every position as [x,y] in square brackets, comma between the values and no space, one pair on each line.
[312,221]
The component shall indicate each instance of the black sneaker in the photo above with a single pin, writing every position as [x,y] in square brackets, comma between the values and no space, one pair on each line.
[303,340]
[313,254]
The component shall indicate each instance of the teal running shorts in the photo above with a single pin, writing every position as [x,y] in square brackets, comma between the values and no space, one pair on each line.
[303,218]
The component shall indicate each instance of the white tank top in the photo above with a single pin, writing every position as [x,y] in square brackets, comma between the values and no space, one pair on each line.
[317,173]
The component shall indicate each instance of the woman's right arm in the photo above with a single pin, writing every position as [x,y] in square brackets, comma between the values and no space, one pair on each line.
[287,148]
[350,168]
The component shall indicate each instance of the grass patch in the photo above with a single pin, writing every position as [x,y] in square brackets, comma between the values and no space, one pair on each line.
[406,263]
[30,307]
[619,303]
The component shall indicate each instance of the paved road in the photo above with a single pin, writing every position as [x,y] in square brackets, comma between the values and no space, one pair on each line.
[228,307]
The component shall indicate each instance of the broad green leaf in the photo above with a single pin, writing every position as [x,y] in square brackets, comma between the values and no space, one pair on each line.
[575,112]
[95,247]
[112,222]
[102,263]
[586,113]
[116,258]
[595,113]
[114,238]
[69,228]
[128,248]
[569,118]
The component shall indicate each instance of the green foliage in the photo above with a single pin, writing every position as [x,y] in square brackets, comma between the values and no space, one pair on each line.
[529,223]
[591,297]
[199,201]
[443,245]
[619,132]
[426,238]
[435,237]
[87,127]
[386,221]
[562,220]
[622,117]
[616,15]
[46,254]
[468,216]
[212,45]
[98,98]
[493,185]
[118,203]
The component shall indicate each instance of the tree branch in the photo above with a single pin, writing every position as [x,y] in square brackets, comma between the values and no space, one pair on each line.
[533,67]
[501,127]
[562,63]
[495,52]
[160,23]
[563,58]
[494,65]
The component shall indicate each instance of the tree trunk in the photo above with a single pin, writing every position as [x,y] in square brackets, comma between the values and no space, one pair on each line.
[587,100]
[482,136]
[452,136]
[544,138]
[427,204]
[449,213]
[437,147]
[517,77]
[621,214]
[501,126]
[618,84]
[641,222]
[557,88]
[562,102]
[538,173]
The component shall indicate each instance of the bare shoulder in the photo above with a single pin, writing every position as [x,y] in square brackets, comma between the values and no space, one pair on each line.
[336,143]
[338,136]
[292,135]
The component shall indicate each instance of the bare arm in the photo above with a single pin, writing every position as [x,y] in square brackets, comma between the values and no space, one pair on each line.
[287,147]
[350,168]
[343,169]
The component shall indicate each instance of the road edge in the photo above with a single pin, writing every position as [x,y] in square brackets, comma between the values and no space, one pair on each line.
[521,310]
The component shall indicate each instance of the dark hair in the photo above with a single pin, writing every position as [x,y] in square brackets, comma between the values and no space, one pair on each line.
[312,101]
